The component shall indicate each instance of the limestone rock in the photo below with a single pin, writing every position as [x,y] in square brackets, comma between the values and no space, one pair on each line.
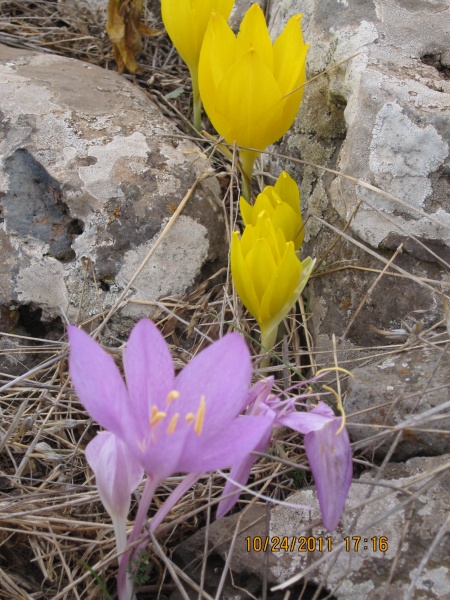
[89,177]
[398,515]
[382,117]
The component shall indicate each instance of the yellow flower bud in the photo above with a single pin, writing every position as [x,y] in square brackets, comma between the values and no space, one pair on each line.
[281,204]
[267,275]
[186,22]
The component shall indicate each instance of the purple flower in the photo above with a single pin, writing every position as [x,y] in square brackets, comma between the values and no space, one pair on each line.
[189,423]
[159,423]
[327,448]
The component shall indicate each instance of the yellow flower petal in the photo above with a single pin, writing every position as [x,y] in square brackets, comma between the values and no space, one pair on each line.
[289,52]
[253,34]
[288,191]
[246,211]
[251,101]
[291,224]
[216,59]
[281,293]
[262,266]
[242,278]
[186,22]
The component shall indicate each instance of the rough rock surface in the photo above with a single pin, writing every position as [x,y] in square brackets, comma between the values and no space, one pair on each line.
[89,177]
[382,117]
[407,511]
[399,392]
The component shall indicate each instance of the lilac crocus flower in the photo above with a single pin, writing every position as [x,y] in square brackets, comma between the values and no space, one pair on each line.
[327,449]
[190,423]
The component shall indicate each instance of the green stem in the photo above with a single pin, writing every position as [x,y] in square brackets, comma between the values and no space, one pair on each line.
[197,107]
[248,161]
[268,340]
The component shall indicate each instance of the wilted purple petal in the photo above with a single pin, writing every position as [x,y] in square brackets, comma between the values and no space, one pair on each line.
[117,473]
[148,369]
[330,458]
[98,382]
[221,374]
[258,394]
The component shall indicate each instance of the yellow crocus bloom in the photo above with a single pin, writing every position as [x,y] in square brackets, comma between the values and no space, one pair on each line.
[186,22]
[280,203]
[251,88]
[267,275]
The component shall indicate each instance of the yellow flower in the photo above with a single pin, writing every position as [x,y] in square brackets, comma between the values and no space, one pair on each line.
[281,204]
[267,274]
[250,88]
[186,22]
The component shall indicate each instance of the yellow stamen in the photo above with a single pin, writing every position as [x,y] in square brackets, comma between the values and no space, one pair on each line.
[200,416]
[173,395]
[156,416]
[189,418]
[173,423]
[339,405]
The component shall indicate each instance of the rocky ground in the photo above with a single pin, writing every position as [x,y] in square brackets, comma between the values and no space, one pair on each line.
[112,209]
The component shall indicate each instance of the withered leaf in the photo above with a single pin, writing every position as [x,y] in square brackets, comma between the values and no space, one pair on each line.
[124,29]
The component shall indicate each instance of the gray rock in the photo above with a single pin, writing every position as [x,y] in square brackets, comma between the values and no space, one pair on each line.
[89,177]
[397,391]
[395,517]
[382,117]
[396,98]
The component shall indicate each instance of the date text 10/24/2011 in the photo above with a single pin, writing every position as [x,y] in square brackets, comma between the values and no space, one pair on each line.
[354,543]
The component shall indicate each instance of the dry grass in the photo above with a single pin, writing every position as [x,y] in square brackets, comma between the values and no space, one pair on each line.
[51,521]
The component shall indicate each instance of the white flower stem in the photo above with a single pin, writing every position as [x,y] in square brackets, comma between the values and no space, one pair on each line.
[120,530]
[144,504]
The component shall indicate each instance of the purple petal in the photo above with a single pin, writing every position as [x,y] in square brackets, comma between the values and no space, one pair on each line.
[240,474]
[323,409]
[117,472]
[148,369]
[97,382]
[224,448]
[330,458]
[161,458]
[259,393]
[221,374]
[303,422]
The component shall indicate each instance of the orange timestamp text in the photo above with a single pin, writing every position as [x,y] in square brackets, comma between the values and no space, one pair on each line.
[354,543]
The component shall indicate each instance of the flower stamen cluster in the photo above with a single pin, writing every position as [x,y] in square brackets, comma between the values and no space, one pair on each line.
[198,418]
